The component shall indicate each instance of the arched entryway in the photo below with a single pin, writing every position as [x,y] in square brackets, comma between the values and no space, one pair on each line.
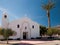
[25,35]
[25,31]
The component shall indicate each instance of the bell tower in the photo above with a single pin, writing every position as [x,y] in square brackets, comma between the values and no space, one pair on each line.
[5,20]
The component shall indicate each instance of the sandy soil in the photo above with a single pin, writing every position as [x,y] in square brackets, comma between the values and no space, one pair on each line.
[31,42]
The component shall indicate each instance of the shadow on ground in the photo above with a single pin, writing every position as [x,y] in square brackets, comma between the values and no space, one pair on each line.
[22,44]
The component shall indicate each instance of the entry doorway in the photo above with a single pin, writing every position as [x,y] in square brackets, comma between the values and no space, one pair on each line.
[25,35]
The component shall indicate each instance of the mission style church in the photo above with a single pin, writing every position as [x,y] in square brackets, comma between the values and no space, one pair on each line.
[25,28]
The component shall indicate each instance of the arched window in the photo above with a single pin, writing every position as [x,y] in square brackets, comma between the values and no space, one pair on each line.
[25,27]
[33,26]
[18,26]
[5,16]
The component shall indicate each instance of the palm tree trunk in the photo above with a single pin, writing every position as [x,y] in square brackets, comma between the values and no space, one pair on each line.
[48,14]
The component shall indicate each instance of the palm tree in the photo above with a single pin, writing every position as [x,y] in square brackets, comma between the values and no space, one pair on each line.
[48,7]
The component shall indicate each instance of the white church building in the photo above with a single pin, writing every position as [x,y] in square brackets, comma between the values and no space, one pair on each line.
[25,28]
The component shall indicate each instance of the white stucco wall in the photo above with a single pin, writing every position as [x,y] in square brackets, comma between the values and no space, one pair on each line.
[32,32]
[35,31]
[5,21]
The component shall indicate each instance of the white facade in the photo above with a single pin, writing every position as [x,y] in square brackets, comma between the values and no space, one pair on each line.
[25,28]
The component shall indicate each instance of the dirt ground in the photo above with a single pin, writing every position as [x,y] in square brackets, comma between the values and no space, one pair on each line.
[31,42]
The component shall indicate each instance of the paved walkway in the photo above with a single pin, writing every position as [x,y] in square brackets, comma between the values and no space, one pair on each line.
[31,42]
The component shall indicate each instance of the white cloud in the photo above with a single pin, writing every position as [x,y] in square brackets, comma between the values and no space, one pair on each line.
[3,9]
[8,12]
[11,16]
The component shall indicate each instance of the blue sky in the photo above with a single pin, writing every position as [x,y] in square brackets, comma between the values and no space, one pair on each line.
[32,8]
